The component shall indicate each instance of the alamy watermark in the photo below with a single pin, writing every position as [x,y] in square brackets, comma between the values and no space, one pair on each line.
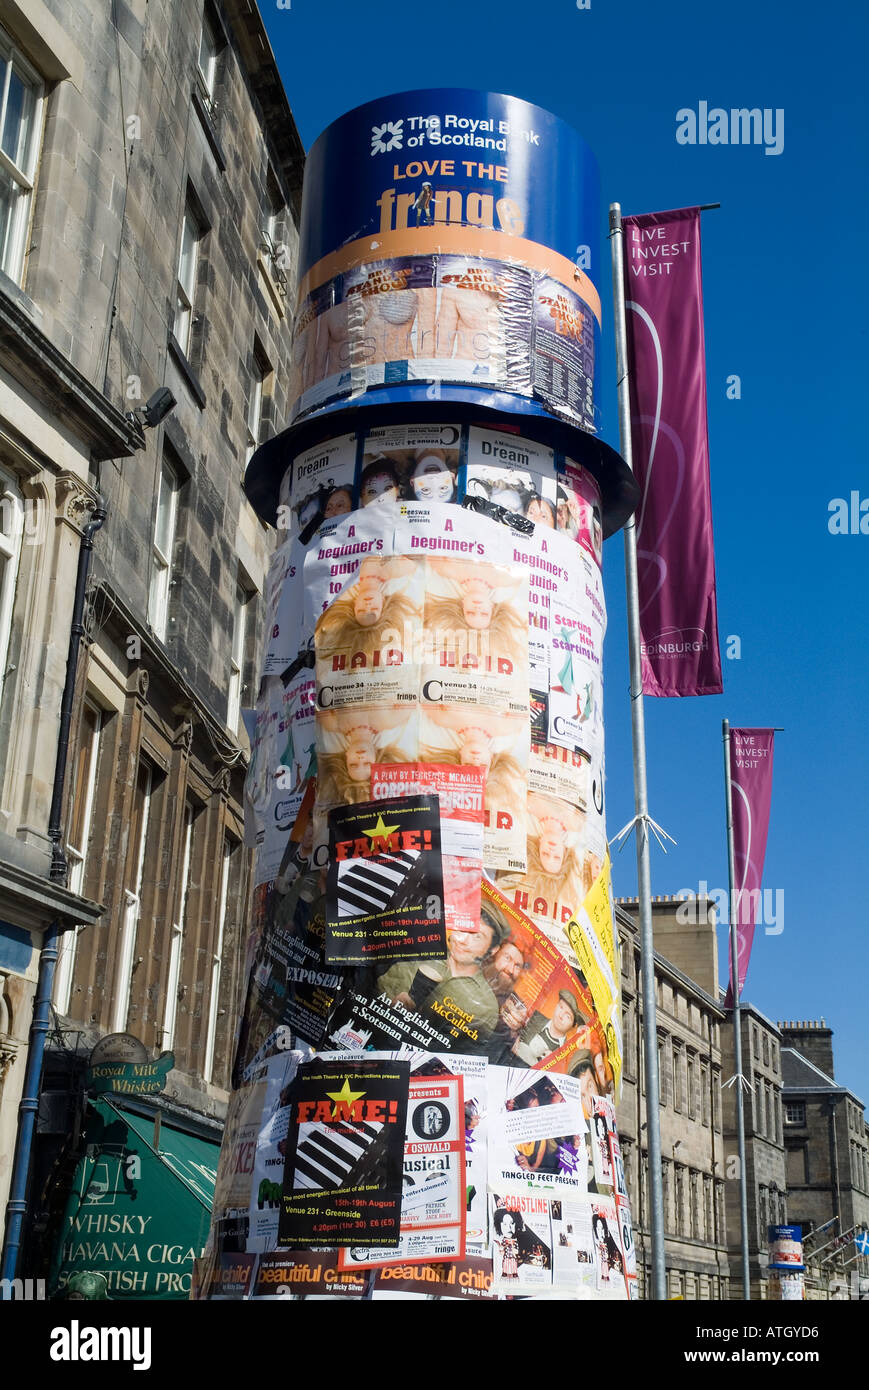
[849,516]
[744,125]
[746,906]
[77,1343]
[22,1290]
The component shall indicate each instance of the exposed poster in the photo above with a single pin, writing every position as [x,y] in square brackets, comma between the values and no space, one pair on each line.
[521,1242]
[476,635]
[620,1181]
[248,1190]
[232,1190]
[578,511]
[573,1249]
[629,1249]
[560,772]
[289,982]
[474,1074]
[258,785]
[433,1198]
[459,790]
[575,687]
[536,1132]
[343,1174]
[476,631]
[384,883]
[224,1278]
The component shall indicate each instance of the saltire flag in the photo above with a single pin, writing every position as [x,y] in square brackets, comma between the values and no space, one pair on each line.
[751,793]
[667,372]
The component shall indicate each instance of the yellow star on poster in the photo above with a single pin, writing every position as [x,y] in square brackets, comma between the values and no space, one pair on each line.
[344,1097]
[381,829]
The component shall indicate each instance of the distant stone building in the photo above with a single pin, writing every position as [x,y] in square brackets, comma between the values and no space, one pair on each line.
[825,1138]
[690,1024]
[698,1115]
[161,176]
[764,1146]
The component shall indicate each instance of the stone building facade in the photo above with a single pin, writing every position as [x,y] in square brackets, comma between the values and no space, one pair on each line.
[161,236]
[825,1139]
[766,1177]
[55,426]
[690,1024]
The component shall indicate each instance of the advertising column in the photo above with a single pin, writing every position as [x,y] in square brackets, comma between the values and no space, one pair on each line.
[430,1048]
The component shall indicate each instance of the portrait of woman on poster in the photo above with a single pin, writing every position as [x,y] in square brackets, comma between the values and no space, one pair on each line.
[567,513]
[478,738]
[601,1138]
[538,510]
[383,599]
[508,1227]
[379,484]
[472,608]
[554,879]
[609,1255]
[338,503]
[349,743]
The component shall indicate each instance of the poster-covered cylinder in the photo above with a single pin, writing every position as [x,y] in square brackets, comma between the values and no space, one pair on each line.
[430,1052]
[450,237]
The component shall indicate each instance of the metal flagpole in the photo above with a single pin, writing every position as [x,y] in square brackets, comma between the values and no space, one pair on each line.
[641,801]
[737,1027]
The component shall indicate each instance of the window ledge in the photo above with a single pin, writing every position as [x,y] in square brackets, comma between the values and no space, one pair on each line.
[209,128]
[13,291]
[192,381]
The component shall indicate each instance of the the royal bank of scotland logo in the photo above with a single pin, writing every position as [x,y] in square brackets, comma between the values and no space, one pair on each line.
[386,137]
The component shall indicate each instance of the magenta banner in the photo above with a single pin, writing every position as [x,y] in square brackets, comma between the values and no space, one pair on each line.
[751,789]
[667,367]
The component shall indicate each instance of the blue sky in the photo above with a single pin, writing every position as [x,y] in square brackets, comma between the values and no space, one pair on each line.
[786,311]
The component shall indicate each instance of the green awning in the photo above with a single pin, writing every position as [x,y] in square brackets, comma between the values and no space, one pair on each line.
[135,1214]
[192,1160]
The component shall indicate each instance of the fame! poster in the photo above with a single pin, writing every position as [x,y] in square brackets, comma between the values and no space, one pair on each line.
[345,1149]
[384,885]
